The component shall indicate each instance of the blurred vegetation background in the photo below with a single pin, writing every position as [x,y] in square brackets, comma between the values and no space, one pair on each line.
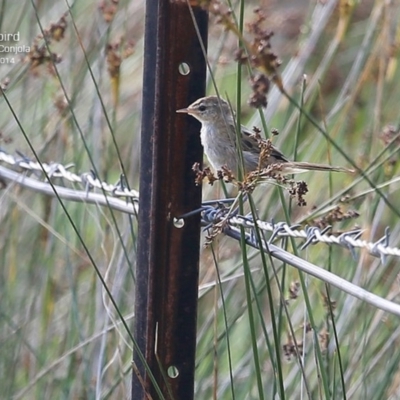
[78,101]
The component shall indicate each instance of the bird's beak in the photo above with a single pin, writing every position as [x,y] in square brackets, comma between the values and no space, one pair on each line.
[183,110]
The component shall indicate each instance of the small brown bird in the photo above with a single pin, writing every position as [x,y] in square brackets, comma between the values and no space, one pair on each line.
[218,137]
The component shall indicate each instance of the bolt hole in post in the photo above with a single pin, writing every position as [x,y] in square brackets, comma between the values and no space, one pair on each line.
[184,68]
[172,372]
[179,222]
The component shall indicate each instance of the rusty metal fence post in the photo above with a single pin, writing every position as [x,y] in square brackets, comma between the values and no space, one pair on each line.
[168,254]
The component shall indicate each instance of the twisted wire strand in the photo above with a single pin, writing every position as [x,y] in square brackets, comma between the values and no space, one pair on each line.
[88,180]
[121,198]
[312,235]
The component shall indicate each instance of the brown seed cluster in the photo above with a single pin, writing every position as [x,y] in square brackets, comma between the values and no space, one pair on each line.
[40,53]
[262,58]
[4,84]
[335,215]
[323,337]
[260,86]
[390,136]
[291,350]
[255,50]
[328,303]
[298,191]
[61,105]
[57,30]
[266,148]
[294,289]
[261,54]
[116,53]
[113,59]
[109,9]
[5,139]
[202,174]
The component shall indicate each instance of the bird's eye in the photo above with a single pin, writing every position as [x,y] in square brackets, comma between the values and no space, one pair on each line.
[202,108]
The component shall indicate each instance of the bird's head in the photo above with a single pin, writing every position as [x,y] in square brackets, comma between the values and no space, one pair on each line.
[208,109]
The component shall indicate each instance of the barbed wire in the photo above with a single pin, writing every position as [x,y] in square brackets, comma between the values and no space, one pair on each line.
[88,180]
[212,215]
[212,212]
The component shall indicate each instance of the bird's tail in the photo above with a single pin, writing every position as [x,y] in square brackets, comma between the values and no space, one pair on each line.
[293,167]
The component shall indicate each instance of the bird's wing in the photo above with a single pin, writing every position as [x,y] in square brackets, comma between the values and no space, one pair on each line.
[250,143]
[277,156]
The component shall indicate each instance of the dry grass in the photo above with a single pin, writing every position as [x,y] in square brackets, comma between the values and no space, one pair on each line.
[59,334]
